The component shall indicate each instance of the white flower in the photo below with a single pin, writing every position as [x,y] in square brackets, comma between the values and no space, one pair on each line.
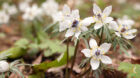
[76,26]
[50,7]
[4,17]
[23,6]
[123,28]
[101,18]
[96,53]
[10,9]
[32,12]
[64,18]
[71,21]
[4,66]
[57,16]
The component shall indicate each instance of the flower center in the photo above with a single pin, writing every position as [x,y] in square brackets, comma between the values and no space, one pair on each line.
[99,16]
[75,23]
[97,53]
[123,30]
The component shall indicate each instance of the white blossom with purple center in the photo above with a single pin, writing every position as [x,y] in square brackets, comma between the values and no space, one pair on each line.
[96,53]
[101,18]
[76,25]
[123,28]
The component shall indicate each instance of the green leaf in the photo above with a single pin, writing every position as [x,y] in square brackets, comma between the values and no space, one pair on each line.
[56,46]
[133,70]
[22,43]
[55,63]
[14,52]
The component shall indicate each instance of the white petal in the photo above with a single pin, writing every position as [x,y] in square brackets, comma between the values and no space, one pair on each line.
[108,19]
[105,47]
[113,25]
[94,64]
[83,28]
[98,25]
[96,9]
[87,21]
[92,43]
[66,10]
[64,25]
[75,14]
[106,59]
[86,52]
[69,32]
[132,31]
[77,34]
[118,34]
[130,36]
[107,10]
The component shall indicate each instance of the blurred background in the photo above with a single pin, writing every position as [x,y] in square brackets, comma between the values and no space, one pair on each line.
[34,33]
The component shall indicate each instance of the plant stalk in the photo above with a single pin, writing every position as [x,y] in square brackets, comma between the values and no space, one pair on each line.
[74,57]
[67,72]
[101,38]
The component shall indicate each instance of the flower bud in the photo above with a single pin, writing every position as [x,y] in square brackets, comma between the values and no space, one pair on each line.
[4,66]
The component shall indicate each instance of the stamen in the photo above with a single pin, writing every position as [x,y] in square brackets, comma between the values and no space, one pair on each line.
[97,53]
[123,30]
[75,23]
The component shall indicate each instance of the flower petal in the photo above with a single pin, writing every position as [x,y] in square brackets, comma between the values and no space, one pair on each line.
[94,64]
[98,25]
[66,10]
[83,28]
[107,10]
[77,34]
[113,25]
[118,34]
[69,32]
[64,25]
[86,52]
[92,43]
[132,31]
[87,21]
[75,14]
[96,9]
[105,47]
[108,20]
[130,36]
[106,59]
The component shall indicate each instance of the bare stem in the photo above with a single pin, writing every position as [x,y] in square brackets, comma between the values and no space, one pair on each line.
[67,72]
[74,57]
[101,38]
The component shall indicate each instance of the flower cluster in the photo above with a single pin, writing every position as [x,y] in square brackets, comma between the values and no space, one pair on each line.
[6,12]
[70,20]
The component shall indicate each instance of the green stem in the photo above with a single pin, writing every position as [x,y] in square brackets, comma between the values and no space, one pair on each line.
[75,52]
[67,74]
[101,38]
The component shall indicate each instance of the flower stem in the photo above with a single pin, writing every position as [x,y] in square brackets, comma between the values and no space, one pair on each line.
[75,52]
[67,72]
[101,38]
